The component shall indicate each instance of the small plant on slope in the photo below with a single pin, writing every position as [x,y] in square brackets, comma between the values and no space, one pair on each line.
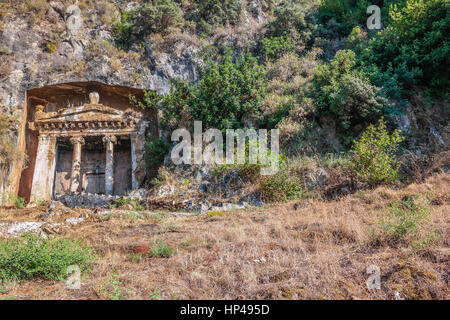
[374,154]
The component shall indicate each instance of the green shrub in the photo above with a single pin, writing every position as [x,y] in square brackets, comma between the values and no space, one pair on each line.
[123,30]
[293,18]
[340,90]
[409,221]
[403,218]
[157,16]
[19,202]
[50,47]
[161,250]
[374,154]
[346,14]
[34,257]
[155,151]
[228,90]
[9,199]
[281,186]
[275,47]
[414,46]
[150,102]
[121,202]
[209,13]
[216,213]
[173,106]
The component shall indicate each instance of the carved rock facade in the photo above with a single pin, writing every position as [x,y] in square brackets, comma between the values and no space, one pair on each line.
[90,148]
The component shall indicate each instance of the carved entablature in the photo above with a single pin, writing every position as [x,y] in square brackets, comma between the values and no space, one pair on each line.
[89,119]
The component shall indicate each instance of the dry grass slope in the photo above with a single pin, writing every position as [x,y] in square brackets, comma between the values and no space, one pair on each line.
[307,250]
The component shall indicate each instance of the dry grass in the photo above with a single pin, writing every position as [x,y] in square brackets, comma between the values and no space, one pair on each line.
[320,250]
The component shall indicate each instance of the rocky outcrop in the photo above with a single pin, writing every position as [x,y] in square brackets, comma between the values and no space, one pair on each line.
[65,44]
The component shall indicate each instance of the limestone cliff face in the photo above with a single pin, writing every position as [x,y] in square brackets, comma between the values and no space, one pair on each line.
[45,43]
[50,42]
[66,46]
[63,44]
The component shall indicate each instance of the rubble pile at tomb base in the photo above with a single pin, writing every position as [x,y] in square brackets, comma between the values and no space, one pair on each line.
[191,189]
[197,188]
[87,200]
[45,220]
[92,201]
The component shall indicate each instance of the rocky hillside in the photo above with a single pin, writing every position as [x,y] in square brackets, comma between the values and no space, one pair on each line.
[52,42]
[146,44]
[363,116]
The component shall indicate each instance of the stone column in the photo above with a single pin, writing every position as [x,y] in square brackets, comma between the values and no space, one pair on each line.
[44,169]
[137,160]
[75,176]
[109,142]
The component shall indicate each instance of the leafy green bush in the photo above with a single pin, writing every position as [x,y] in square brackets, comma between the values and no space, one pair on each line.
[409,221]
[414,46]
[374,154]
[339,89]
[293,18]
[123,30]
[346,14]
[10,199]
[19,202]
[155,151]
[156,16]
[209,13]
[161,250]
[402,218]
[174,106]
[121,202]
[32,256]
[150,101]
[228,90]
[274,47]
[281,186]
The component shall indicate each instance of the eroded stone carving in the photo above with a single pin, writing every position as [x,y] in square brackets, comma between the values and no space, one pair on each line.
[94,97]
[77,142]
[95,122]
[109,142]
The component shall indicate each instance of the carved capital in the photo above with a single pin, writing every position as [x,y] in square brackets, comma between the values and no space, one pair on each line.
[109,139]
[94,98]
[39,112]
[44,138]
[77,140]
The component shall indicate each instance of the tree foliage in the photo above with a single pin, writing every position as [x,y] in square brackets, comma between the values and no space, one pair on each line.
[344,92]
[415,45]
[374,154]
[155,16]
[209,13]
[228,90]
